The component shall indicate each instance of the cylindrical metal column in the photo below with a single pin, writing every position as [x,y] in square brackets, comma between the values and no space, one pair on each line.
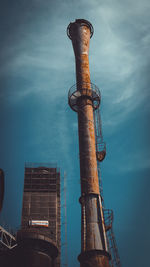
[93,239]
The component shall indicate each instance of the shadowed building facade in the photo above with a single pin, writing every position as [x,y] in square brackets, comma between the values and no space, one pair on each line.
[39,237]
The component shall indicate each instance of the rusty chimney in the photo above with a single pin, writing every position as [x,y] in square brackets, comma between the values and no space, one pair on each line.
[84,98]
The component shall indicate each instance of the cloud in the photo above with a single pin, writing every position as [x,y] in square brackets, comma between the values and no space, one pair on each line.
[120,57]
[38,67]
[42,56]
[134,162]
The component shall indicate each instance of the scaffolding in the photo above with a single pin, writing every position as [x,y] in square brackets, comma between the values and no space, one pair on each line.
[7,240]
[41,202]
[64,248]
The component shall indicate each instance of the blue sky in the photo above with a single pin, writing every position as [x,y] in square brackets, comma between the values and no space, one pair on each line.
[37,125]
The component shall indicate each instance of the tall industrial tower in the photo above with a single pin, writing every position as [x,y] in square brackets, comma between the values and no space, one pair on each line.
[84,98]
[38,240]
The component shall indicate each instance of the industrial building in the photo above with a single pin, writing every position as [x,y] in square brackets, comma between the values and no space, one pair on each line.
[38,239]
[98,245]
[37,242]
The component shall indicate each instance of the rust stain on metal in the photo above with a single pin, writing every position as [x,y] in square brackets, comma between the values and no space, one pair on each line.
[96,261]
[92,232]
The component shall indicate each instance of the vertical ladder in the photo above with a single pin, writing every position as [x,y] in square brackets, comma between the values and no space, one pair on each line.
[108,214]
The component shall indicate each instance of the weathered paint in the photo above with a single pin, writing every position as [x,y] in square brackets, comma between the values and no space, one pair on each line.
[94,261]
[93,237]
[93,224]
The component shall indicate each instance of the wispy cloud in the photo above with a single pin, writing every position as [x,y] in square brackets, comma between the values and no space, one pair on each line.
[43,58]
[119,54]
[134,162]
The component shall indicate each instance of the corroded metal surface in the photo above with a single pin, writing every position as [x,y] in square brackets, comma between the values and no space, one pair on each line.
[88,163]
[80,35]
[95,260]
[93,236]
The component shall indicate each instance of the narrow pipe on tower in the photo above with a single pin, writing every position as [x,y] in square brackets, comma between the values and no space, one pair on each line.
[83,98]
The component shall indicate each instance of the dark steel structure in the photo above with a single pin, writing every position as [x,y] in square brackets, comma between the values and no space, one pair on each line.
[84,98]
[38,240]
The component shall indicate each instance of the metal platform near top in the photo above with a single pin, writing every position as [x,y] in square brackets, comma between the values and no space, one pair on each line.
[87,90]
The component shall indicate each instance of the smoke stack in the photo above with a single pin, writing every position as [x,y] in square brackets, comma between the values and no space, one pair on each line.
[84,97]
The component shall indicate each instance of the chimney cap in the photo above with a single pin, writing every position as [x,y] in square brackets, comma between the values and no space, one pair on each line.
[82,22]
